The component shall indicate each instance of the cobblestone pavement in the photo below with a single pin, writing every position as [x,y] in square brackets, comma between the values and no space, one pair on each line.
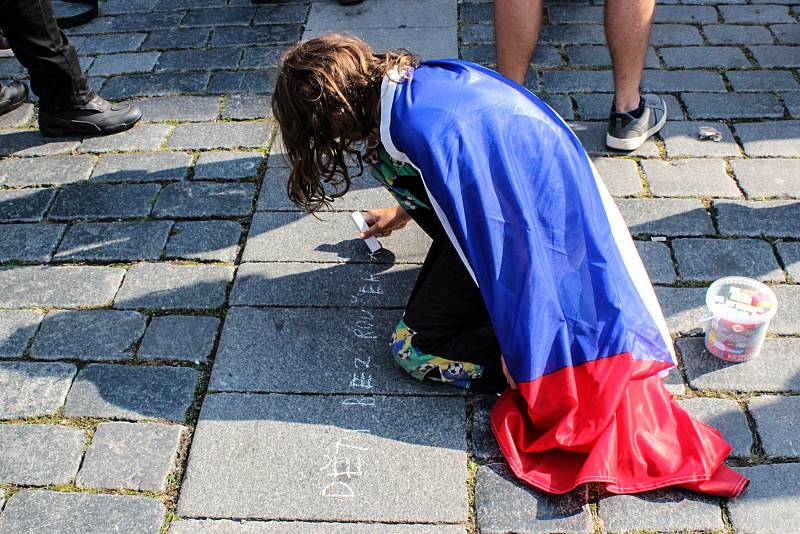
[182,351]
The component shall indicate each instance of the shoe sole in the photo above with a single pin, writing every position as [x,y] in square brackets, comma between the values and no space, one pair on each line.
[48,131]
[14,106]
[632,143]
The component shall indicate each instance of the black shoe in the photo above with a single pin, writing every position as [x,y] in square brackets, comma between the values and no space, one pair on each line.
[12,96]
[97,117]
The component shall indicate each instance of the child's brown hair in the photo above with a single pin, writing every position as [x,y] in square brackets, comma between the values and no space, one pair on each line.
[326,102]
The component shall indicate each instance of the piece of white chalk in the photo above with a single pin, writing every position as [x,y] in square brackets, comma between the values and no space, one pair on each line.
[373,244]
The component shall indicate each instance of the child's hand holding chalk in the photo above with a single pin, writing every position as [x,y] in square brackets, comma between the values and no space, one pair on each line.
[383,221]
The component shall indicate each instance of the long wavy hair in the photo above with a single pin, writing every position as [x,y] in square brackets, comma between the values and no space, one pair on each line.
[327,103]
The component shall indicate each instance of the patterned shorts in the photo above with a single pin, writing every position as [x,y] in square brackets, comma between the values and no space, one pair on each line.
[421,365]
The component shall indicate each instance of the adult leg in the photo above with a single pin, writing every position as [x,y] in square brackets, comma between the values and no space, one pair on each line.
[517,24]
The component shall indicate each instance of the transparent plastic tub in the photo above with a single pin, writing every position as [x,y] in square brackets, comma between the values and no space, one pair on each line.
[741,309]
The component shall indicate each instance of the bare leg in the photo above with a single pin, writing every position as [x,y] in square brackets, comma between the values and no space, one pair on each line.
[628,25]
[516,24]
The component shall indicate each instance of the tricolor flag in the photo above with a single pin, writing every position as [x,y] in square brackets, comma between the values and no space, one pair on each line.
[574,312]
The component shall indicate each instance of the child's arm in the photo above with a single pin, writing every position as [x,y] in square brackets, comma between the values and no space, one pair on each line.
[383,221]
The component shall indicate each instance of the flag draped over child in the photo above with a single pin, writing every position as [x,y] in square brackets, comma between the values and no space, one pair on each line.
[575,315]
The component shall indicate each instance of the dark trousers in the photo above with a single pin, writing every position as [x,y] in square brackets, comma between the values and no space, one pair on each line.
[42,48]
[447,312]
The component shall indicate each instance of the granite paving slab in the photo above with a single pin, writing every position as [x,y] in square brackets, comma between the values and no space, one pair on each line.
[205,240]
[271,34]
[88,335]
[135,456]
[141,137]
[168,286]
[732,106]
[354,345]
[786,321]
[329,237]
[226,526]
[203,200]
[155,167]
[39,455]
[679,178]
[504,504]
[33,389]
[226,81]
[484,444]
[667,510]
[117,241]
[227,165]
[247,107]
[339,285]
[32,143]
[773,218]
[767,177]
[111,64]
[674,382]
[772,494]
[621,176]
[665,216]
[259,57]
[215,58]
[176,38]
[727,417]
[709,259]
[281,13]
[178,108]
[81,513]
[209,136]
[179,337]
[593,137]
[683,308]
[17,118]
[775,369]
[132,392]
[657,261]
[24,205]
[682,139]
[160,84]
[17,327]
[381,14]
[33,243]
[789,253]
[100,201]
[59,287]
[427,43]
[776,418]
[770,139]
[660,81]
[46,170]
[356,460]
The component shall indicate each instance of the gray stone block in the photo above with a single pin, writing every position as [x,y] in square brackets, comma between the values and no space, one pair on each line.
[247,107]
[281,14]
[674,382]
[27,143]
[132,392]
[574,14]
[562,104]
[40,455]
[755,14]
[111,43]
[167,286]
[477,33]
[770,139]
[136,456]
[176,38]
[702,260]
[356,351]
[17,327]
[262,81]
[215,58]
[88,335]
[141,137]
[227,165]
[155,167]
[682,178]
[428,13]
[97,201]
[571,34]
[683,308]
[792,101]
[659,81]
[205,240]
[288,284]
[24,205]
[505,504]
[331,238]
[260,57]
[725,416]
[484,444]
[730,34]
[790,256]
[161,84]
[17,118]
[353,463]
[776,218]
[59,287]
[229,16]
[665,216]
[209,136]
[681,139]
[80,513]
[686,14]
[47,170]
[123,63]
[770,499]
[786,33]
[179,108]
[226,526]
[775,369]
[675,34]
[577,82]
[596,106]
[179,337]
[272,34]
[593,137]
[770,56]
[116,7]
[763,81]
[476,13]
[787,320]
[205,200]
[33,389]
[657,261]
[694,57]
[114,241]
[29,242]
[732,106]
[776,419]
[665,510]
[767,177]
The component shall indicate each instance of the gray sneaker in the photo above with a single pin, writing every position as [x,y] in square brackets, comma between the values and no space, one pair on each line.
[626,132]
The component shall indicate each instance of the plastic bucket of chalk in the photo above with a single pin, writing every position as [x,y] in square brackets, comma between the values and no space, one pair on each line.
[741,309]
